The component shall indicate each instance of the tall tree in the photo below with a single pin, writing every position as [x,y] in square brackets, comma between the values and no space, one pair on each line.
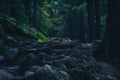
[71,22]
[28,8]
[31,10]
[76,21]
[81,25]
[97,18]
[113,29]
[90,9]
[34,12]
[111,43]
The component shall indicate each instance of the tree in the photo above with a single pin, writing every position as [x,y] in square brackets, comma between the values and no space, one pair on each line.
[113,29]
[97,18]
[90,9]
[28,6]
[76,21]
[34,12]
[110,46]
[71,24]
[81,27]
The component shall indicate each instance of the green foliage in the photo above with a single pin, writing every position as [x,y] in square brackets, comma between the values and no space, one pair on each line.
[79,7]
[53,17]
[13,24]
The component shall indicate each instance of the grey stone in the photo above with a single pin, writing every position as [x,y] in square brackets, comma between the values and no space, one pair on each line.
[1,58]
[5,74]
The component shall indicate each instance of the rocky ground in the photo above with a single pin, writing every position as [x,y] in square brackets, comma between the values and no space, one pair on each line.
[57,59]
[24,58]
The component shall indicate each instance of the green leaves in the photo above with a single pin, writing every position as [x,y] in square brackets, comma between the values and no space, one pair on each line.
[13,24]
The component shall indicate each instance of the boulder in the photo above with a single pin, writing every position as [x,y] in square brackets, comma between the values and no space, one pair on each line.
[5,75]
[48,72]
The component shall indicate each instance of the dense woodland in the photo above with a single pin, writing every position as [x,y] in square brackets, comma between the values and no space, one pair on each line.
[59,40]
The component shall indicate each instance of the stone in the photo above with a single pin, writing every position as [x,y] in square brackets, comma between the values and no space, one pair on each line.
[2,58]
[5,74]
[48,72]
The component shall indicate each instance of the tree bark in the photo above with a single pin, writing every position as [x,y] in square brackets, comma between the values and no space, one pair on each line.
[90,9]
[34,12]
[28,6]
[97,17]
[81,27]
[111,43]
[113,29]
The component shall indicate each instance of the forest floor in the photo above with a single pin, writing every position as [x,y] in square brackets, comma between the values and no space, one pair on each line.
[24,58]
[57,59]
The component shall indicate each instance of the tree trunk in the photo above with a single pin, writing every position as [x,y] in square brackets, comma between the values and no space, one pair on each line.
[34,12]
[113,29]
[111,43]
[90,9]
[81,27]
[97,16]
[69,25]
[28,6]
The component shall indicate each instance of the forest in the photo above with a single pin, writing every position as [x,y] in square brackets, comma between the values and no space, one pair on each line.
[59,40]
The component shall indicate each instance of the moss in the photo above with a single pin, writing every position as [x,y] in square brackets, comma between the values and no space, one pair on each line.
[23,28]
